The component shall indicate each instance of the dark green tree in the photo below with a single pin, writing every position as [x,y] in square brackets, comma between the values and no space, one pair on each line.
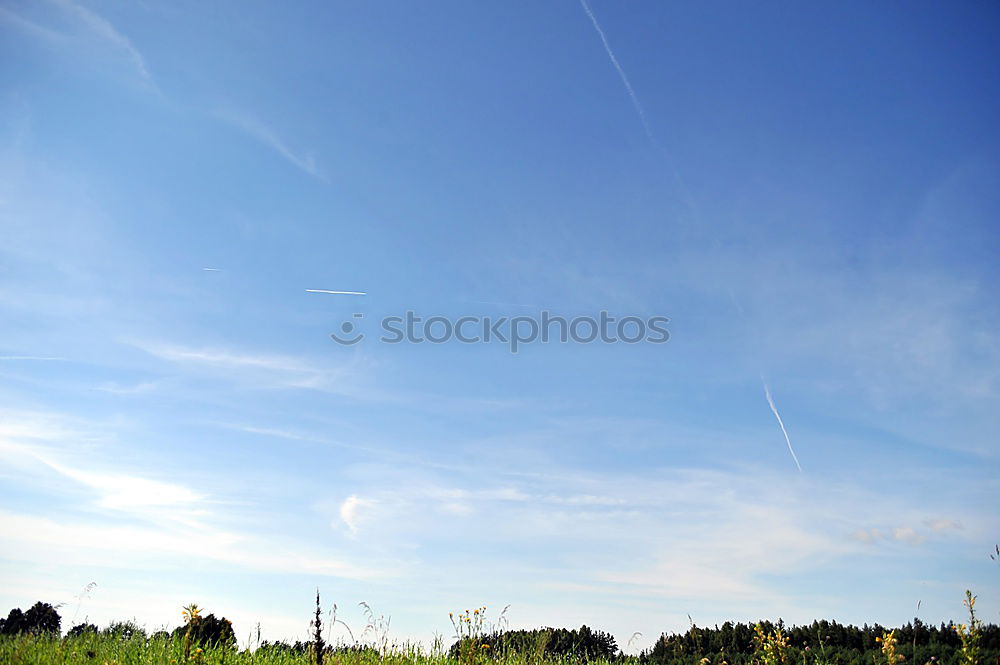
[14,623]
[209,631]
[40,618]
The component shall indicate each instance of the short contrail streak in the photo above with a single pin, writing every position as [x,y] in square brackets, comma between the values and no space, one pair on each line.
[774,410]
[337,293]
[621,72]
[211,269]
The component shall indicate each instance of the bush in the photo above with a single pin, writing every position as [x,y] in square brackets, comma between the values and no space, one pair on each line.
[209,631]
[125,630]
[82,629]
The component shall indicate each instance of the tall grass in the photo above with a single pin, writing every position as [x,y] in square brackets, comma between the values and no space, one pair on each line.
[103,649]
[477,642]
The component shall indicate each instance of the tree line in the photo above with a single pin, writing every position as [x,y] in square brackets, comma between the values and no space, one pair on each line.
[819,643]
[824,641]
[43,619]
[583,643]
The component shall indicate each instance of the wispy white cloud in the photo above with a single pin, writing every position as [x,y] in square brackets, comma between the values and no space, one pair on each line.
[273,431]
[259,369]
[140,388]
[908,535]
[128,492]
[104,30]
[353,377]
[112,489]
[586,500]
[690,534]
[222,358]
[905,534]
[30,27]
[257,130]
[868,536]
[32,427]
[136,519]
[40,539]
[84,25]
[942,524]
[352,512]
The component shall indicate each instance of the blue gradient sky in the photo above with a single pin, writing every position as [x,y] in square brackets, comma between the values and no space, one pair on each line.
[815,201]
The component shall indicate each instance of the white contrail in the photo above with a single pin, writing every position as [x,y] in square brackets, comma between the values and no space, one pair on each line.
[774,410]
[211,269]
[337,293]
[621,72]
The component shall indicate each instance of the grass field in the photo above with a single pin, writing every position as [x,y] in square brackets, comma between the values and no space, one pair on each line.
[99,649]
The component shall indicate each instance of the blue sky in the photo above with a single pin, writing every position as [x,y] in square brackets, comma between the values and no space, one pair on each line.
[809,193]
